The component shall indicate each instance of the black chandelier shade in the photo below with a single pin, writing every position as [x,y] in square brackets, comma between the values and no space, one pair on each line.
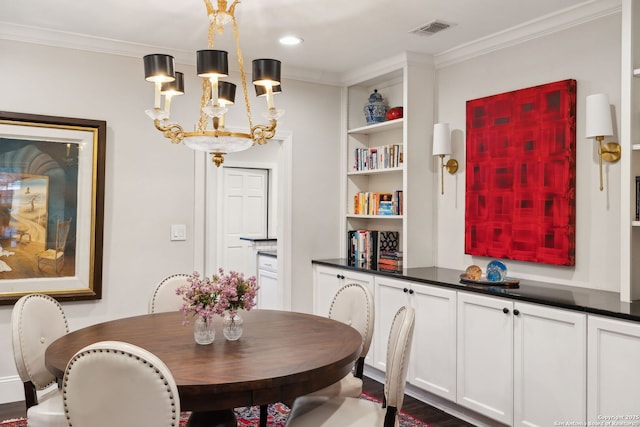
[266,71]
[212,63]
[227,92]
[158,67]
[175,87]
[262,91]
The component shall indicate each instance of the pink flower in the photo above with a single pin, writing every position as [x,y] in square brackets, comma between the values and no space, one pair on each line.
[206,297]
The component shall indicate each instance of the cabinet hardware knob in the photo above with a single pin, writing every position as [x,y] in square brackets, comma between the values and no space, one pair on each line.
[411,291]
[516,312]
[405,290]
[505,310]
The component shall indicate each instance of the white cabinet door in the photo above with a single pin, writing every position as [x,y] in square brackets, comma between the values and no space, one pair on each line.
[613,370]
[390,295]
[269,297]
[433,355]
[549,365]
[327,281]
[432,364]
[485,356]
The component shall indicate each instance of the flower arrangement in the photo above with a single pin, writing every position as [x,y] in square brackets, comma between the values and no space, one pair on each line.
[234,292]
[208,296]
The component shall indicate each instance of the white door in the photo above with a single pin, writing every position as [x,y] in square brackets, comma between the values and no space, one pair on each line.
[244,214]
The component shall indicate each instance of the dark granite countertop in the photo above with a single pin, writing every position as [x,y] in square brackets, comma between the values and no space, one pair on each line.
[570,297]
[272,253]
[259,239]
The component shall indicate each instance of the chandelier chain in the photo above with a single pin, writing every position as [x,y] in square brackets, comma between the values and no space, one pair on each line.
[243,77]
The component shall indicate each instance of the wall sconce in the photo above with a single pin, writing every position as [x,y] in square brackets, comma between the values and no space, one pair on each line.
[599,125]
[441,148]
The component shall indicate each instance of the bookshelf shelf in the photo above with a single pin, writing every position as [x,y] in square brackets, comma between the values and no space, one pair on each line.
[377,128]
[635,223]
[376,171]
[636,72]
[635,147]
[375,216]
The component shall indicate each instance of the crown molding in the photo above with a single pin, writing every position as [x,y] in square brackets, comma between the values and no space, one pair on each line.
[548,24]
[567,18]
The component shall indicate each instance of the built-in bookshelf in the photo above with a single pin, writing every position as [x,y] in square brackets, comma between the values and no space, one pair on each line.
[383,158]
[630,143]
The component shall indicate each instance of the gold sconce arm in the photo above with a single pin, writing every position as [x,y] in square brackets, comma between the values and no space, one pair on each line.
[609,152]
[451,166]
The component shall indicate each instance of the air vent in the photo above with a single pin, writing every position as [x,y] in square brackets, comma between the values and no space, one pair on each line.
[431,28]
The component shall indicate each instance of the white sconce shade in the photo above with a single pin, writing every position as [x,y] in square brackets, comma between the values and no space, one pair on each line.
[441,139]
[598,120]
[441,148]
[599,125]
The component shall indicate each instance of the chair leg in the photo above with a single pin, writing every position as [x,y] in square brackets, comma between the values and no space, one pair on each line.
[264,410]
[30,395]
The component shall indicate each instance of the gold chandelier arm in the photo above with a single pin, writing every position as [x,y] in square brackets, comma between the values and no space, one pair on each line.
[260,133]
[172,131]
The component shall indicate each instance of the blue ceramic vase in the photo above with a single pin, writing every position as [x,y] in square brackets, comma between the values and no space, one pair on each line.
[375,110]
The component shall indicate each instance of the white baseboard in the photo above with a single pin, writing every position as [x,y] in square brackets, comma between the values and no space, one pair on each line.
[11,389]
[445,405]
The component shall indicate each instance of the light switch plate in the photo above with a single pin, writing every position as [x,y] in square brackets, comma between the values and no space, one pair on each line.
[178,232]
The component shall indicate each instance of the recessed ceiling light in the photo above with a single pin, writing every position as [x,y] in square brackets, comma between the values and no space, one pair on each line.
[290,40]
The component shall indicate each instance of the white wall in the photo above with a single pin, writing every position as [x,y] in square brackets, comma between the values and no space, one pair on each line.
[150,182]
[589,53]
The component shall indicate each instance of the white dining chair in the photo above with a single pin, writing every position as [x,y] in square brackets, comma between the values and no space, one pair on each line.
[164,297]
[353,305]
[322,411]
[113,383]
[36,321]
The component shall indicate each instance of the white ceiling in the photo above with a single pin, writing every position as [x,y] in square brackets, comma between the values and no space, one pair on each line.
[339,35]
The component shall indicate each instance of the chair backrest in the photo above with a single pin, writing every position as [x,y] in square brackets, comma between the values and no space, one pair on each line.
[62,232]
[36,321]
[112,383]
[353,305]
[164,296]
[398,350]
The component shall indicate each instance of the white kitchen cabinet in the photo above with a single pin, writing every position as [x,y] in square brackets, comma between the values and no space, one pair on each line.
[327,281]
[485,356]
[521,364]
[270,292]
[550,362]
[432,364]
[613,371]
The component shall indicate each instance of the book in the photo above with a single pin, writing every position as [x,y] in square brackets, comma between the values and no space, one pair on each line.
[637,198]
[389,241]
[383,262]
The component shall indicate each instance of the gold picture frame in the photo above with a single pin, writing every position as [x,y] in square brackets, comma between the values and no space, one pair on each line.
[51,206]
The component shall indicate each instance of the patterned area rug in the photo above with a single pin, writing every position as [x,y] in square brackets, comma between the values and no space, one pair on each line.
[250,417]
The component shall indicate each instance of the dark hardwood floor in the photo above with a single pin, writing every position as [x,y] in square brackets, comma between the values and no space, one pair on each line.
[413,407]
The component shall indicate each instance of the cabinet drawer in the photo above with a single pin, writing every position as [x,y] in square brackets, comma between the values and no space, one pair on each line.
[268,263]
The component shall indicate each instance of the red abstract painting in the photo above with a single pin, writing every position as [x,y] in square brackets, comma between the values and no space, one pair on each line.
[520,175]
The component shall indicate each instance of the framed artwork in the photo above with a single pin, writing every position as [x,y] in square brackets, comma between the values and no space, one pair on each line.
[51,206]
[520,174]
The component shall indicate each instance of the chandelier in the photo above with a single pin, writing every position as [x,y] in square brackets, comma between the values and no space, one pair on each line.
[210,134]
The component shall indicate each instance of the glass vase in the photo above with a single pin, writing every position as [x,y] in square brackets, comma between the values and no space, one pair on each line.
[232,326]
[203,330]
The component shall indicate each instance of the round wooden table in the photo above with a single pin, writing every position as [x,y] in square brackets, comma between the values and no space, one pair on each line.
[281,355]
